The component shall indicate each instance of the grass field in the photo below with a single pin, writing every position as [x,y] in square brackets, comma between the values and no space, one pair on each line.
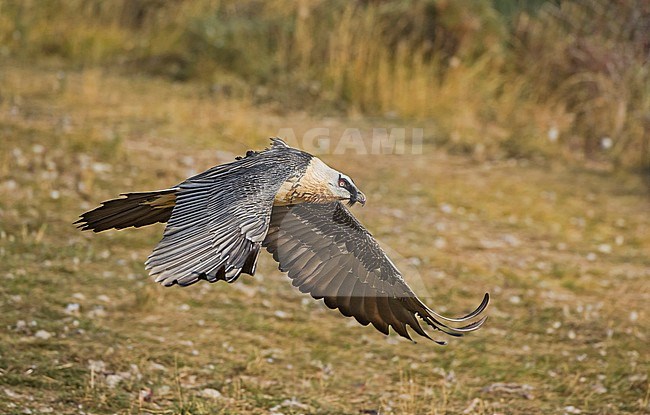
[564,252]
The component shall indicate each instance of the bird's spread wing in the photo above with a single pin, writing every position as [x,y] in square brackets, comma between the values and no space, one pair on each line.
[329,254]
[220,219]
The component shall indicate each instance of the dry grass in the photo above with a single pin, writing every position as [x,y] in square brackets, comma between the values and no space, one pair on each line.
[563,251]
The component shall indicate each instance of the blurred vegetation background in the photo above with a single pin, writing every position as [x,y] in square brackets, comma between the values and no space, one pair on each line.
[536,120]
[504,78]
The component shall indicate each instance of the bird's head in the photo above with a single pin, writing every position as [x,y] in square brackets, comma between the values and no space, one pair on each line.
[343,188]
[321,183]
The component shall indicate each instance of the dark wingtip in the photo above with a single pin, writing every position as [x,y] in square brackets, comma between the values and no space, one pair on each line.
[84,224]
[432,320]
[481,307]
[81,224]
[473,326]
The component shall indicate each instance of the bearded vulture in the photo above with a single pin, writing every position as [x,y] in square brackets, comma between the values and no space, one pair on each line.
[290,203]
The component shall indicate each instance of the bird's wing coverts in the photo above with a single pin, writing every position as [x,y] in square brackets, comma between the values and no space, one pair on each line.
[329,254]
[221,217]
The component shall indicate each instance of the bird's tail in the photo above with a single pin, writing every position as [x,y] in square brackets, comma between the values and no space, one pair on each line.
[131,209]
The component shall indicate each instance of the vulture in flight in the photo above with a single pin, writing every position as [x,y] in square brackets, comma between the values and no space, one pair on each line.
[292,204]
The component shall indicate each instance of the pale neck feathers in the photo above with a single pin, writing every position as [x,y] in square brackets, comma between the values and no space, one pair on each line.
[313,186]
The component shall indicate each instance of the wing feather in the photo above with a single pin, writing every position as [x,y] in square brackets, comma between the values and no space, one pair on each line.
[344,295]
[333,286]
[357,302]
[402,314]
[330,255]
[372,310]
[221,217]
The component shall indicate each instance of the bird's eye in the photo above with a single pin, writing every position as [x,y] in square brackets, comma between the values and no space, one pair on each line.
[343,182]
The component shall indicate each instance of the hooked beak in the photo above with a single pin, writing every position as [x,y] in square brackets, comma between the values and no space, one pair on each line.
[357,196]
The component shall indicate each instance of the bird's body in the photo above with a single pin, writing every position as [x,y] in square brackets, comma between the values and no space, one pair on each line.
[289,202]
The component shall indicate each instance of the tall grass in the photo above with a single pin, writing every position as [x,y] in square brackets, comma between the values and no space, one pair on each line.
[517,79]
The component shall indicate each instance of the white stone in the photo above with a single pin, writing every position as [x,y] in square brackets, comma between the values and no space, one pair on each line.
[210,393]
[43,334]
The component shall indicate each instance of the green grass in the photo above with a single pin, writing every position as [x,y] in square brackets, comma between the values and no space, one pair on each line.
[568,317]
